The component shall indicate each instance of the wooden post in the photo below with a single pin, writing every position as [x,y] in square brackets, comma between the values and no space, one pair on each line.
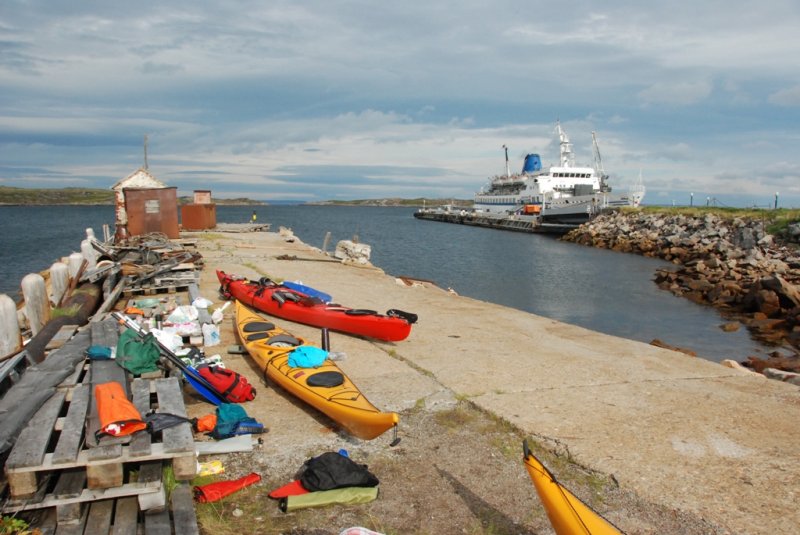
[74,262]
[10,337]
[59,281]
[37,305]
[89,254]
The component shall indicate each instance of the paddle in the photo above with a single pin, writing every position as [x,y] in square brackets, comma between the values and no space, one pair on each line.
[198,382]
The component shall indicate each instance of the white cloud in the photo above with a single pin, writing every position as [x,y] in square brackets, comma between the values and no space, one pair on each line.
[786,97]
[676,93]
[246,91]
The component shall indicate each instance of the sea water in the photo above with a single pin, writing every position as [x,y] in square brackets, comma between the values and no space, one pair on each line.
[598,289]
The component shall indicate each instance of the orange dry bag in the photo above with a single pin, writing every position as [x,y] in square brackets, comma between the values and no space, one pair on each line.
[118,416]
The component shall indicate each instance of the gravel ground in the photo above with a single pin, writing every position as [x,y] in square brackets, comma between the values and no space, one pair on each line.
[457,469]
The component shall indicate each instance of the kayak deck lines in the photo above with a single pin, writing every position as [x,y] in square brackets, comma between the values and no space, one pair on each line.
[325,387]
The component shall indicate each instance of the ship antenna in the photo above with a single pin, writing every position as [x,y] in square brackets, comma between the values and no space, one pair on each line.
[145,151]
[508,170]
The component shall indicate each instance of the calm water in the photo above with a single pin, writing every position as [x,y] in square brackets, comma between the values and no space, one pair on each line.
[601,290]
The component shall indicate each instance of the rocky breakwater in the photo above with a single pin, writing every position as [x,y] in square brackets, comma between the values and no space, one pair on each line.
[732,264]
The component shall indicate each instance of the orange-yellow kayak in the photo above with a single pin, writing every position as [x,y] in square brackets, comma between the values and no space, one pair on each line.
[567,513]
[324,387]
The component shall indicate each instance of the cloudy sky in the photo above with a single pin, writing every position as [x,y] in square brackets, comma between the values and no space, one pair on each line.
[316,100]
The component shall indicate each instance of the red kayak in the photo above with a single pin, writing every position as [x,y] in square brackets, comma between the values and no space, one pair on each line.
[288,303]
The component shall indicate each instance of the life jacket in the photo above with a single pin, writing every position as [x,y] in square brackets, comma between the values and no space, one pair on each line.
[118,416]
[233,386]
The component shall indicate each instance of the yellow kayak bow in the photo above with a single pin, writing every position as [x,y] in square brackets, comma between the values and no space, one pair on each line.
[567,513]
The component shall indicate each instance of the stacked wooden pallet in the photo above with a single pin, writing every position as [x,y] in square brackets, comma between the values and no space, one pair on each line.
[170,282]
[74,481]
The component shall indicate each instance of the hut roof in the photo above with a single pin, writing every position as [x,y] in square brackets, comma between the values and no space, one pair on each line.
[141,178]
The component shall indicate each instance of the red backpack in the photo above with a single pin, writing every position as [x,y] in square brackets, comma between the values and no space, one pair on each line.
[233,386]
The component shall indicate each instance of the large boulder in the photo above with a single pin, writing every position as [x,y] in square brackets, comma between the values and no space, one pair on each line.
[788,294]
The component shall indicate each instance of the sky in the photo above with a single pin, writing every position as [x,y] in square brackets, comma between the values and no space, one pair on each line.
[319,100]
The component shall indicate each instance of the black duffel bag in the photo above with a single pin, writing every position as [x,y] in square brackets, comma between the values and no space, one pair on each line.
[333,470]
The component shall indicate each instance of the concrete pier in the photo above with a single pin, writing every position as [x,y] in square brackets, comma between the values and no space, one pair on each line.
[683,433]
[519,223]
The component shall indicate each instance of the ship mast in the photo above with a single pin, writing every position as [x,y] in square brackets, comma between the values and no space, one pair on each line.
[567,156]
[508,169]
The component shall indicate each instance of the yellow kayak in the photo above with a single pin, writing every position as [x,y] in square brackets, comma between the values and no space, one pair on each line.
[567,513]
[324,387]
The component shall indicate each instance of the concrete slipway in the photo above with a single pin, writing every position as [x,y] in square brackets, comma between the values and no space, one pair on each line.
[680,431]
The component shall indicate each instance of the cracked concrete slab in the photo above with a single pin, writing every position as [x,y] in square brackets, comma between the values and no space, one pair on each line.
[681,431]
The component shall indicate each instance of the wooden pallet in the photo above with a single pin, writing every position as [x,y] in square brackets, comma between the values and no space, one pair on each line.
[55,443]
[153,289]
[120,515]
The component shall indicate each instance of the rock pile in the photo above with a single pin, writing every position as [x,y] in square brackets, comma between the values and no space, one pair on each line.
[734,265]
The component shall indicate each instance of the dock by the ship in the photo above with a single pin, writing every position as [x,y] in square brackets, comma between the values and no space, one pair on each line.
[516,222]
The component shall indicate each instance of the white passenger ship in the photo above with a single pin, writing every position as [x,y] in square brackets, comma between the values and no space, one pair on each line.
[564,193]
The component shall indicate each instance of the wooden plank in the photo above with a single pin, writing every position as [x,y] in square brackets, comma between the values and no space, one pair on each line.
[104,476]
[158,453]
[107,475]
[30,447]
[70,440]
[157,523]
[105,332]
[87,495]
[61,337]
[46,522]
[104,371]
[101,476]
[140,442]
[126,516]
[179,438]
[112,298]
[151,474]
[73,528]
[75,377]
[184,517]
[70,513]
[99,518]
[69,486]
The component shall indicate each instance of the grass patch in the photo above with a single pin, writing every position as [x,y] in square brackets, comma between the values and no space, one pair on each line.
[775,220]
[261,272]
[11,525]
[211,236]
[89,290]
[456,418]
[69,311]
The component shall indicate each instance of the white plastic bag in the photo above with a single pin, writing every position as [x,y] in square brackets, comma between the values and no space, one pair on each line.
[210,334]
[183,314]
